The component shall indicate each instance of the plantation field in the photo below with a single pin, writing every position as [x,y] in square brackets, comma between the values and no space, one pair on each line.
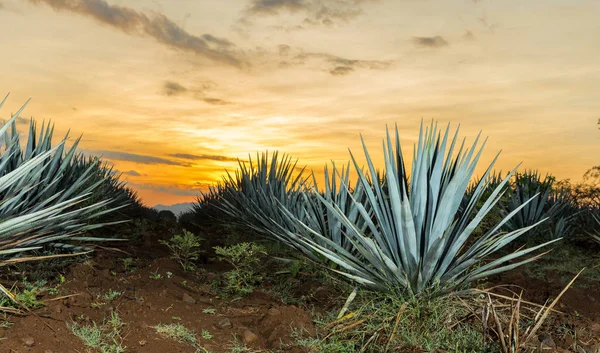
[269,259]
[146,288]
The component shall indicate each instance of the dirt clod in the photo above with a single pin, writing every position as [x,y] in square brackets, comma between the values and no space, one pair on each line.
[188,299]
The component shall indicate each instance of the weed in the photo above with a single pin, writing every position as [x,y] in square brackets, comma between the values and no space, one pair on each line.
[155,275]
[393,323]
[211,311]
[185,249]
[105,338]
[206,335]
[111,295]
[128,264]
[181,334]
[244,257]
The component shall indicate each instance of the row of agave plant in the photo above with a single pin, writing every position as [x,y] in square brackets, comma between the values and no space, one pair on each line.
[51,195]
[391,230]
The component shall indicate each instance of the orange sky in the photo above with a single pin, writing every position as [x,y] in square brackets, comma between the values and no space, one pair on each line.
[172,91]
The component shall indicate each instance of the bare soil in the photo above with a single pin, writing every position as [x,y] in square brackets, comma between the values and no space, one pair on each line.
[261,321]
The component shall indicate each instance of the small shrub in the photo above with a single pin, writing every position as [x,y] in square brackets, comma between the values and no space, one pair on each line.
[185,249]
[244,257]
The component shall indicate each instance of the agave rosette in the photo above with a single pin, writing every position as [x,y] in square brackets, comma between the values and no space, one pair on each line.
[416,233]
[43,196]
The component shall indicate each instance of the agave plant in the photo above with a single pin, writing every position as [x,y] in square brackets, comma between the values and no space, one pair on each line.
[252,194]
[416,237]
[42,195]
[549,203]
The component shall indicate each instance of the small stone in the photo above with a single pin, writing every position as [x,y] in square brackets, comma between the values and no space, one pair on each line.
[274,312]
[224,323]
[249,336]
[548,341]
[188,299]
[28,341]
[48,351]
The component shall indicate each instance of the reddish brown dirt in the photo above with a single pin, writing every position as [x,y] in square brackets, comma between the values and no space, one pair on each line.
[577,327]
[261,321]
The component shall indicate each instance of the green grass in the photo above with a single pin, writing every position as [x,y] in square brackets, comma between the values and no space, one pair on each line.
[567,259]
[105,338]
[375,321]
[181,334]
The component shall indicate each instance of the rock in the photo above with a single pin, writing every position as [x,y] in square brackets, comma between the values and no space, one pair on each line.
[547,341]
[274,312]
[249,336]
[48,351]
[188,299]
[224,323]
[28,341]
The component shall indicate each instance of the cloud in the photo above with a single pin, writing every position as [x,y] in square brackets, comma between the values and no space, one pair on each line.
[172,88]
[430,42]
[214,101]
[203,156]
[19,120]
[132,173]
[158,26]
[336,65]
[173,189]
[341,70]
[469,35]
[137,158]
[316,12]
[272,7]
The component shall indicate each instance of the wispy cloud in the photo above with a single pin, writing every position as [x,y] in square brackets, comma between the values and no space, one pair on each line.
[203,156]
[430,42]
[172,88]
[137,158]
[173,189]
[336,65]
[157,26]
[316,12]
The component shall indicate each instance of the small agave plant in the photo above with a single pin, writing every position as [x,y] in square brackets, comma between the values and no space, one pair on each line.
[44,194]
[416,232]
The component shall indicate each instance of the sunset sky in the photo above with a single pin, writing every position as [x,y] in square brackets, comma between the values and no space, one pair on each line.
[173,91]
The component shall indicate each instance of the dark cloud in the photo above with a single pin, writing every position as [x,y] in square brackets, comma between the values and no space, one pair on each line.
[341,70]
[132,173]
[214,101]
[157,26]
[137,158]
[203,156]
[171,88]
[469,35]
[430,42]
[173,189]
[317,12]
[272,7]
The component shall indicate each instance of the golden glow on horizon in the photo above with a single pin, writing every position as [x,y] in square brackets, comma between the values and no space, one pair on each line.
[174,114]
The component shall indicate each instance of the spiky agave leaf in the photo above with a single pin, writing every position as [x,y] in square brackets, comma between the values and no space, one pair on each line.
[549,203]
[34,208]
[416,235]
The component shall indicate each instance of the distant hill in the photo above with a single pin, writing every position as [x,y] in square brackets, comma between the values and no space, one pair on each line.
[177,208]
